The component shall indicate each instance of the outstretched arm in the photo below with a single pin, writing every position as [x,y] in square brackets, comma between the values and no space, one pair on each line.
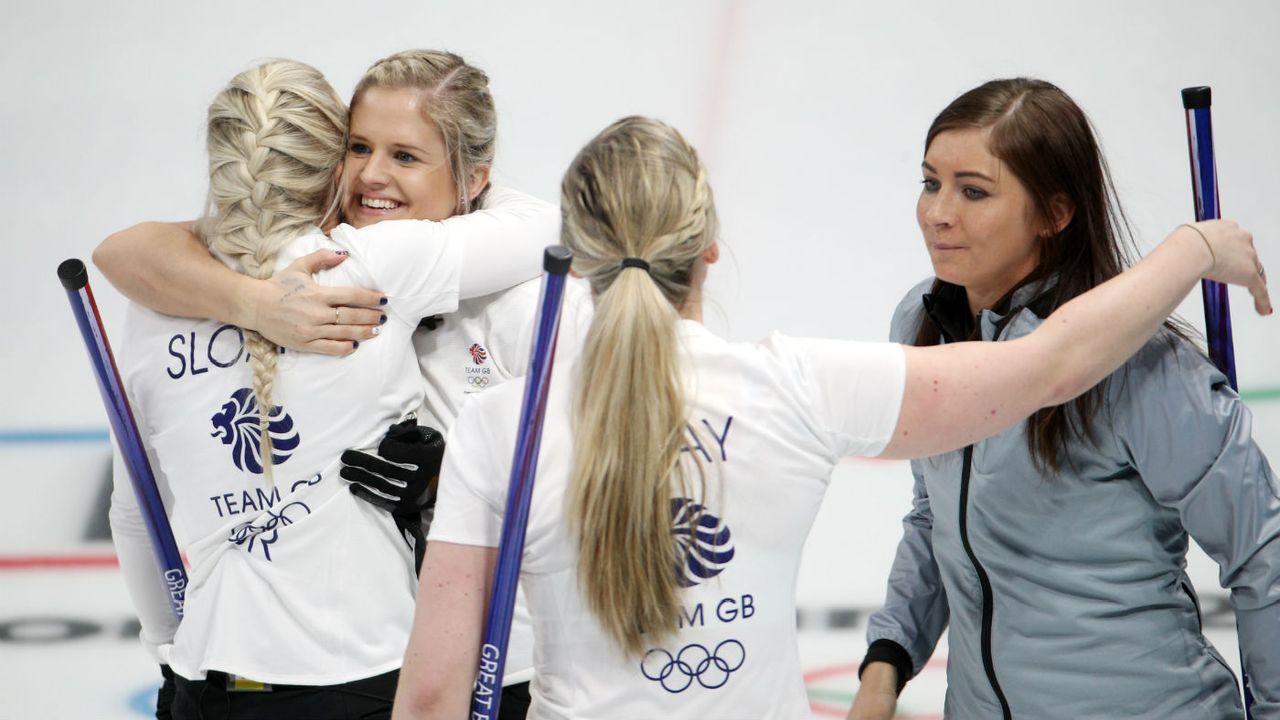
[165,267]
[959,393]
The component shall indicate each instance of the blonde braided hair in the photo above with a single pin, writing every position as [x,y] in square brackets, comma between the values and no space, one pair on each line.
[275,135]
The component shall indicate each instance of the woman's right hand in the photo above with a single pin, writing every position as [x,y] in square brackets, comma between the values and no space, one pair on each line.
[877,696]
[1235,261]
[292,311]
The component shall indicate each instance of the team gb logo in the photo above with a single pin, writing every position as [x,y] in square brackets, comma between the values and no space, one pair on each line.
[236,424]
[703,542]
[478,354]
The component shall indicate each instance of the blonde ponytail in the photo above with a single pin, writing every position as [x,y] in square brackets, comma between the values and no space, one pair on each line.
[637,190]
[275,136]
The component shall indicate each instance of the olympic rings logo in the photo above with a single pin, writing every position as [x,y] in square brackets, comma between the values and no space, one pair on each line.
[694,662]
[247,532]
[478,380]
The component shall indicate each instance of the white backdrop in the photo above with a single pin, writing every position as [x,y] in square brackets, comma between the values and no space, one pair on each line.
[810,116]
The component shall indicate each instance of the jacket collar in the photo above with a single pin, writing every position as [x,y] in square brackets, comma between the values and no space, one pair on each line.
[947,306]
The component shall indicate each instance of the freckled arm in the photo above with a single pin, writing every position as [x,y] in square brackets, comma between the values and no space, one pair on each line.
[959,393]
[444,650]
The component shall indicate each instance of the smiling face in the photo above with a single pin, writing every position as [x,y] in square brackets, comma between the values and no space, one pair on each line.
[396,166]
[977,219]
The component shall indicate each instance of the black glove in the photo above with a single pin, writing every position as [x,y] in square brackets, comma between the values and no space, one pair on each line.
[164,698]
[401,478]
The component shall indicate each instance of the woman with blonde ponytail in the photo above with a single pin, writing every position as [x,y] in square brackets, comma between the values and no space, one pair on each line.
[679,473]
[645,238]
[300,594]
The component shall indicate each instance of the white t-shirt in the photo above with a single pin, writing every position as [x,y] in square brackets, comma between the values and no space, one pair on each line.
[487,341]
[772,420]
[301,583]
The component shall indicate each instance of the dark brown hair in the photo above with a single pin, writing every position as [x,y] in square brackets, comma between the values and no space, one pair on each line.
[1048,143]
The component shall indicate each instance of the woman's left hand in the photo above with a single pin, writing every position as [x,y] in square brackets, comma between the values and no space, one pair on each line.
[292,311]
[1235,260]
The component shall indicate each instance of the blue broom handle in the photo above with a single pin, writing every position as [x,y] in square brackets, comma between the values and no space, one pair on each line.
[1204,183]
[75,279]
[1196,101]
[486,695]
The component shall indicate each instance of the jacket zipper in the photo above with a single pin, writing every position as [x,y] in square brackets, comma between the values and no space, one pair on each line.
[988,599]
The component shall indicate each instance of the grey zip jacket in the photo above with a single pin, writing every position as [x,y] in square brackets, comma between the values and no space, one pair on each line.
[1067,595]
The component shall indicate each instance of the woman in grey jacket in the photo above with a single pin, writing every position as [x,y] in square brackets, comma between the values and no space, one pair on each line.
[1056,550]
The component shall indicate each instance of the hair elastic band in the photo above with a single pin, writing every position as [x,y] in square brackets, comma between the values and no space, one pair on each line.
[633,262]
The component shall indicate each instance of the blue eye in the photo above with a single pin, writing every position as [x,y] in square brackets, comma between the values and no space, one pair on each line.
[930,185]
[357,148]
[405,157]
[974,193]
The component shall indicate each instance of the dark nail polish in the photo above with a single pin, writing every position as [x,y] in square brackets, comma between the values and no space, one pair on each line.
[382,320]
[342,252]
[382,301]
[355,344]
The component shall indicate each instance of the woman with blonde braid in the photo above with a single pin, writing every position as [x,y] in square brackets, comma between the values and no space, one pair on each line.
[421,142]
[300,594]
[679,474]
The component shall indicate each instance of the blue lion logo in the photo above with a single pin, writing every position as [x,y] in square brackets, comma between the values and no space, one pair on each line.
[703,542]
[236,424]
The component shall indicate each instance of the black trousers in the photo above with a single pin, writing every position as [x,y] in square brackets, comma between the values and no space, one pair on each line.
[515,702]
[367,699]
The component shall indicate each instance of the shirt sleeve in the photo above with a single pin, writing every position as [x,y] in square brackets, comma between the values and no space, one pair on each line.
[143,580]
[854,389]
[915,611]
[473,483]
[1191,439]
[503,243]
[424,267]
[417,264]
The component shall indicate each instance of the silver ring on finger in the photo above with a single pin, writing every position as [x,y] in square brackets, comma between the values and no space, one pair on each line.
[337,316]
